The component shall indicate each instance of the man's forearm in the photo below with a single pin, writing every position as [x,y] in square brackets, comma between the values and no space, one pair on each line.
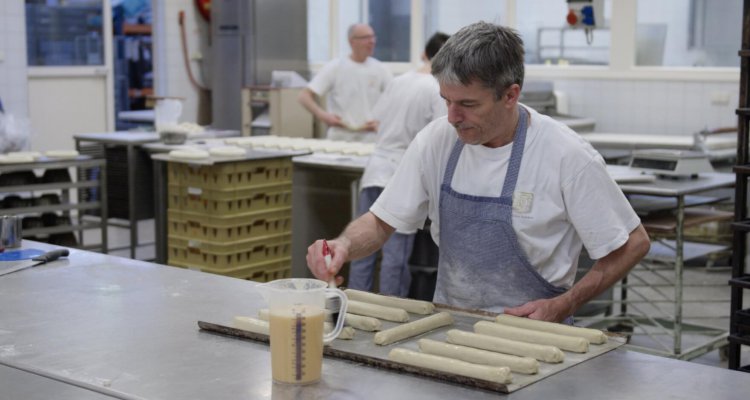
[307,99]
[365,235]
[608,270]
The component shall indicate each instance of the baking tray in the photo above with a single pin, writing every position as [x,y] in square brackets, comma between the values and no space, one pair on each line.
[363,350]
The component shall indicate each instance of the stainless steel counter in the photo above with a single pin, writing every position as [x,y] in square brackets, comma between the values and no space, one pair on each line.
[130,327]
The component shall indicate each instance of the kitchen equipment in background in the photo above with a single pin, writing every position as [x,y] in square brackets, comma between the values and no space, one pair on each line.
[167,113]
[11,231]
[172,137]
[540,95]
[248,43]
[671,163]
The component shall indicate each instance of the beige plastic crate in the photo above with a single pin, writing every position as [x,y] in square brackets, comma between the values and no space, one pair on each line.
[240,174]
[231,201]
[259,272]
[224,255]
[223,228]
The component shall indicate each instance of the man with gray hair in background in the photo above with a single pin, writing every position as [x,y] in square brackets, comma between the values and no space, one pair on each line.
[411,101]
[513,195]
[352,85]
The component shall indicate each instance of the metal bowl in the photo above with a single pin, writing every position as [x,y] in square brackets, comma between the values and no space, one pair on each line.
[169,137]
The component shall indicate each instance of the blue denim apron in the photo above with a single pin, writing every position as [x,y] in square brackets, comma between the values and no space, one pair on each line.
[482,265]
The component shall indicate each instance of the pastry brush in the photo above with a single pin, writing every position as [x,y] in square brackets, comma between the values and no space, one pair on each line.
[333,304]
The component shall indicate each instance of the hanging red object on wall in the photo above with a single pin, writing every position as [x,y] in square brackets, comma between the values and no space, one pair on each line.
[204,8]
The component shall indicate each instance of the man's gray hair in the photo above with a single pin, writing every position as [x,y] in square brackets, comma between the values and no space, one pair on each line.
[350,31]
[488,53]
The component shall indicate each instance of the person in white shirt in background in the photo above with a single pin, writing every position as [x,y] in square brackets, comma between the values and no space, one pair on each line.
[513,195]
[409,103]
[352,85]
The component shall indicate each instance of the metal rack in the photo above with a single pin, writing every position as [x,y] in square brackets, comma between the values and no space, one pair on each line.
[739,325]
[653,294]
[68,205]
[131,178]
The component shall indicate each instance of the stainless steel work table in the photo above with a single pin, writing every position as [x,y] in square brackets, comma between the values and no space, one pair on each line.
[20,384]
[129,327]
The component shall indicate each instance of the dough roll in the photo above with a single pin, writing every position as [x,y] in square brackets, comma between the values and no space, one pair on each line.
[347,332]
[452,366]
[410,305]
[569,343]
[413,328]
[594,336]
[363,323]
[376,311]
[550,354]
[251,324]
[524,365]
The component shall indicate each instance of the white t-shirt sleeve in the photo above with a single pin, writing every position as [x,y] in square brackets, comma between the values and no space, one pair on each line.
[323,81]
[598,209]
[404,201]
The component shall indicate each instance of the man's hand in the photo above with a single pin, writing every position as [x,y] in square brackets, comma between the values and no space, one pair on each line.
[331,119]
[370,126]
[317,264]
[552,310]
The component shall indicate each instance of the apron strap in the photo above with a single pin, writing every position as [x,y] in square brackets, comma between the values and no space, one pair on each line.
[514,165]
[516,154]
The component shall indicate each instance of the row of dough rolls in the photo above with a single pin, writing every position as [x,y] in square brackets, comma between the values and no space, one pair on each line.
[413,328]
[569,343]
[524,365]
[409,305]
[451,365]
[377,311]
[546,353]
[594,336]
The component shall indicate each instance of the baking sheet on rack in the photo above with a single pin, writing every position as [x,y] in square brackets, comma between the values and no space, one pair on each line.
[363,345]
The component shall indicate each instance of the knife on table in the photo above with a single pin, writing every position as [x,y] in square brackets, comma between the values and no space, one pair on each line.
[7,268]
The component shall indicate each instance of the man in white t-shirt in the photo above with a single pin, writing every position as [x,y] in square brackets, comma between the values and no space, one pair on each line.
[409,103]
[512,200]
[352,85]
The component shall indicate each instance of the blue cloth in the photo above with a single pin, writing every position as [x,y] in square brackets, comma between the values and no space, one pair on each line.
[395,275]
[482,265]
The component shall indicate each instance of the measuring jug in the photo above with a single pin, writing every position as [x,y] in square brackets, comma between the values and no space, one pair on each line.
[297,309]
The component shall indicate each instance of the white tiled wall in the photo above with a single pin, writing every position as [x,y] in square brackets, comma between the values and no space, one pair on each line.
[13,82]
[665,108]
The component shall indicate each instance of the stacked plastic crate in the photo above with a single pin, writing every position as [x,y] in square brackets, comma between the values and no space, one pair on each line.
[232,218]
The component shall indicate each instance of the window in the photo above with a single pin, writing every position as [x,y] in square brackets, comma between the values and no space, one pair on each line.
[448,16]
[548,40]
[350,12]
[391,21]
[318,20]
[688,33]
[64,32]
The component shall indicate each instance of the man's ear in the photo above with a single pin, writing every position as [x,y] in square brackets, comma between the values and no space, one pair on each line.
[512,94]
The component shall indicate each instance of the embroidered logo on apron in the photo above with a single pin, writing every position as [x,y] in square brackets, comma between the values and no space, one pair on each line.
[522,202]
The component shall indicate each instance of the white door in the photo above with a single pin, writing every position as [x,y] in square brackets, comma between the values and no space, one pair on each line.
[69,70]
